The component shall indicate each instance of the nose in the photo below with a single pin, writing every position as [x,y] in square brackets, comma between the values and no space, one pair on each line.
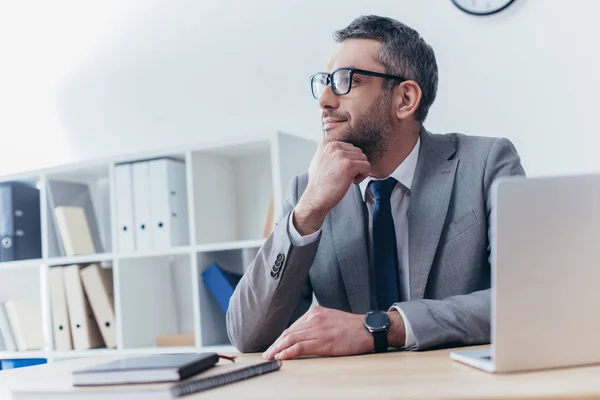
[328,99]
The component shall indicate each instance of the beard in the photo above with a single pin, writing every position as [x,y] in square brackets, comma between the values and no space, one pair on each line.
[371,132]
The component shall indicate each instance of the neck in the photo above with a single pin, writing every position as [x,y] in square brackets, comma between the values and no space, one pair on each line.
[403,140]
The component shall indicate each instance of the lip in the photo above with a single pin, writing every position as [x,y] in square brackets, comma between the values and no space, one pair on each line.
[332,122]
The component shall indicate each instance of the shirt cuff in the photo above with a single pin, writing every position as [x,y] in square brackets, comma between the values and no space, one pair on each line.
[296,238]
[409,337]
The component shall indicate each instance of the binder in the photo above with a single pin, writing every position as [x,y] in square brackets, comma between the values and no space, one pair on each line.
[141,205]
[168,203]
[26,321]
[84,328]
[20,225]
[6,331]
[61,328]
[221,284]
[124,208]
[98,285]
[75,233]
[74,194]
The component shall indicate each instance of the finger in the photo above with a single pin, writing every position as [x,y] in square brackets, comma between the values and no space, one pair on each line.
[291,339]
[296,328]
[336,144]
[306,347]
[354,155]
[361,168]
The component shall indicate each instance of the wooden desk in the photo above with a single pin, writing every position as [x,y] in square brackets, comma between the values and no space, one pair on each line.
[398,375]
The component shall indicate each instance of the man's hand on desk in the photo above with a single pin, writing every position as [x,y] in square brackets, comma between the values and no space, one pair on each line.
[329,332]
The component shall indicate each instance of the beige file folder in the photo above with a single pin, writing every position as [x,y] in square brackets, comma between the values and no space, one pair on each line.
[74,230]
[84,328]
[61,328]
[26,323]
[98,285]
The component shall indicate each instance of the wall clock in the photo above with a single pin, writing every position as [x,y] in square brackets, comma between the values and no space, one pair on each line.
[482,7]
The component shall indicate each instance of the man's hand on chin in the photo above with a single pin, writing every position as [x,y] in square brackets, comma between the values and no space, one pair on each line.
[329,332]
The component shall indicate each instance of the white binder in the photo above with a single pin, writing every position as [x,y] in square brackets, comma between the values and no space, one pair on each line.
[74,230]
[141,205]
[6,331]
[61,328]
[26,322]
[98,285]
[84,328]
[168,203]
[124,208]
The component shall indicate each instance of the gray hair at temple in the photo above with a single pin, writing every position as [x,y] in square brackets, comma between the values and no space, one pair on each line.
[403,53]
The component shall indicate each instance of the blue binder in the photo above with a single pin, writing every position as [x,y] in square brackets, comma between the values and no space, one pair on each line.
[20,225]
[220,283]
[20,363]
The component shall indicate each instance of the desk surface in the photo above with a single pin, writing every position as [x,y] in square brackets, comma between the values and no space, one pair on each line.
[398,375]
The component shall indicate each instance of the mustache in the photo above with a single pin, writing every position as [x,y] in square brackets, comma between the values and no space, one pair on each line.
[333,114]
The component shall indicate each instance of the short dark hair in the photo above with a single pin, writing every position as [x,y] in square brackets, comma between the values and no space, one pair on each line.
[403,52]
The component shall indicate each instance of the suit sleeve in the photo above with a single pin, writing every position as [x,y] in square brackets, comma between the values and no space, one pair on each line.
[275,289]
[462,319]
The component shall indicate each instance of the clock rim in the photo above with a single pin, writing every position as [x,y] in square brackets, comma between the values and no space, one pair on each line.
[482,13]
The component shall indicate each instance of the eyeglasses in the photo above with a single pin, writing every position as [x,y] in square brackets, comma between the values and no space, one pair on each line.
[341,80]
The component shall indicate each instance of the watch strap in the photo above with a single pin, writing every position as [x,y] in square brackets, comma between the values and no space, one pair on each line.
[381,342]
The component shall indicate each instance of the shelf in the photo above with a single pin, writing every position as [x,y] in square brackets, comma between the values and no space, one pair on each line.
[161,253]
[82,259]
[18,355]
[235,245]
[21,264]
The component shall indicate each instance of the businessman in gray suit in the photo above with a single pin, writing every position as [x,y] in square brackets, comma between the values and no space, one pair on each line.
[390,227]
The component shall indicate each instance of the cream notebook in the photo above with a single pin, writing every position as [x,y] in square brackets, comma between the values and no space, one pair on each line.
[74,230]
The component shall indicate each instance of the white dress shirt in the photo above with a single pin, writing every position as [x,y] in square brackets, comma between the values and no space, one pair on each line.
[399,199]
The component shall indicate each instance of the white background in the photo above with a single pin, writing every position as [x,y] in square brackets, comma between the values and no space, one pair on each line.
[82,80]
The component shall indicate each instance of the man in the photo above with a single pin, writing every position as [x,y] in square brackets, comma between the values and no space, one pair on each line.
[390,227]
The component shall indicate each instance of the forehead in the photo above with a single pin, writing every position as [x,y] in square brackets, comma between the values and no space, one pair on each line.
[357,53]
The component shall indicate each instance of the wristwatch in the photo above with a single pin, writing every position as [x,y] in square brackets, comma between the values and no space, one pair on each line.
[377,322]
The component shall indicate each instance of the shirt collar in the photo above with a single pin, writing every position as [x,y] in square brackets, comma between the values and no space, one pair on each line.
[404,173]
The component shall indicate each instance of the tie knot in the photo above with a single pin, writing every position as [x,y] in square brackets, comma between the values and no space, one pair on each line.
[382,189]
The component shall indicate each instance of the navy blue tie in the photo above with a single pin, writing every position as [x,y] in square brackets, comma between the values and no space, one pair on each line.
[385,251]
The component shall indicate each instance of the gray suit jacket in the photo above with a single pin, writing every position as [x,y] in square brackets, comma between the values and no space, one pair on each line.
[449,223]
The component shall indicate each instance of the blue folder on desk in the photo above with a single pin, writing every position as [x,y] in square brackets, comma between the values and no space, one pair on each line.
[220,283]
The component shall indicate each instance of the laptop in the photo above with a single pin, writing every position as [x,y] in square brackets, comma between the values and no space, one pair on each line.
[545,258]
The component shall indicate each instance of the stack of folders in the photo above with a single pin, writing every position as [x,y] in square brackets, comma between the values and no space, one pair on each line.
[165,376]
[20,326]
[151,205]
[82,307]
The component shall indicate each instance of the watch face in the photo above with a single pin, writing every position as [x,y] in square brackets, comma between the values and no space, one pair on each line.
[377,320]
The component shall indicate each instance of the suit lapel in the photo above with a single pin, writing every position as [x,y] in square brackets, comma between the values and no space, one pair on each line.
[348,227]
[429,200]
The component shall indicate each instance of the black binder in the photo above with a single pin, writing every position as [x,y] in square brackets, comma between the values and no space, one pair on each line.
[20,224]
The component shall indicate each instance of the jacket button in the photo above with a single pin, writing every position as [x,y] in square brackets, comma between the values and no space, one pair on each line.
[280,258]
[275,274]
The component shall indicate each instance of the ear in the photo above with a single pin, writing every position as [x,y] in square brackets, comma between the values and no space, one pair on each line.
[407,98]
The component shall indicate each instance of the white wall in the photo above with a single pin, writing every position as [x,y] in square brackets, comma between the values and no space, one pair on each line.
[83,79]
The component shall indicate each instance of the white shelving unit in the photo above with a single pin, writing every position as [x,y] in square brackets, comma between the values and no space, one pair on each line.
[229,187]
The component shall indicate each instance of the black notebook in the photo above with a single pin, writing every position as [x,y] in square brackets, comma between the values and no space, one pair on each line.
[223,373]
[146,369]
